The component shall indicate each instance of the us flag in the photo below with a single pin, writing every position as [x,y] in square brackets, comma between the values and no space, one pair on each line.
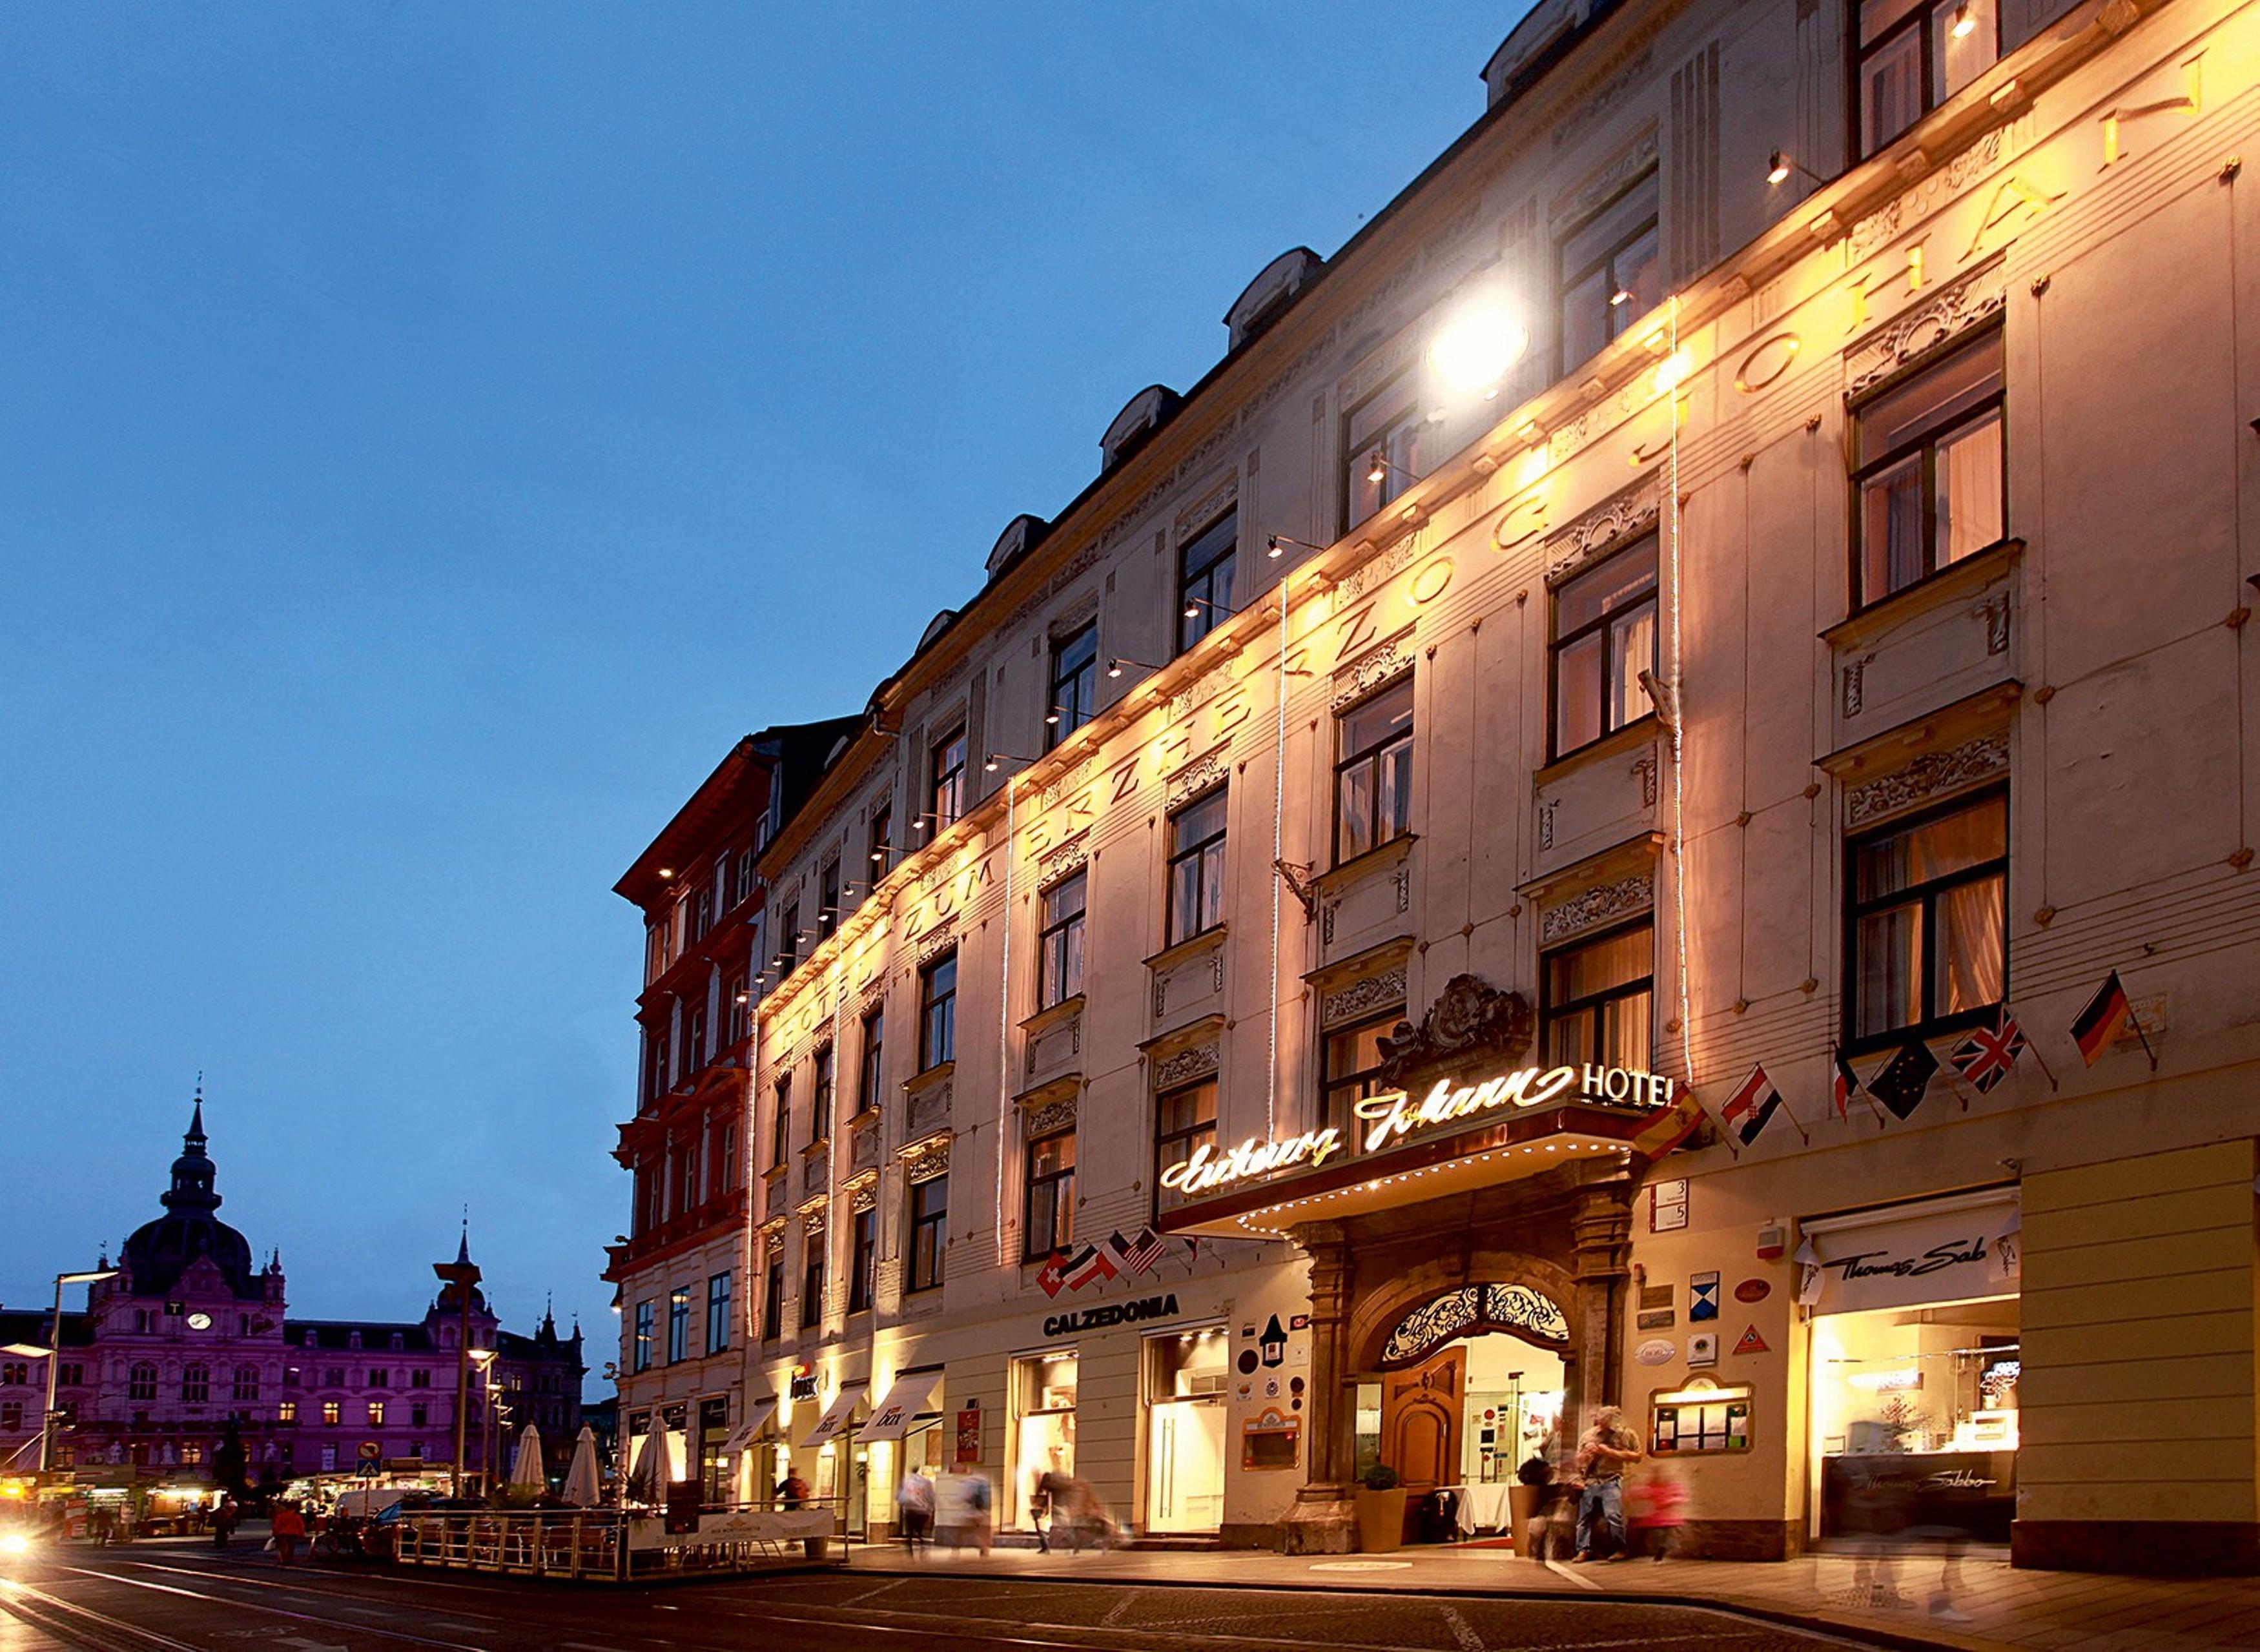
[1142,1254]
[1988,1054]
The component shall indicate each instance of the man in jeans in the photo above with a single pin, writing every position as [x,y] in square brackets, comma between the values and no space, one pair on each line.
[1605,1449]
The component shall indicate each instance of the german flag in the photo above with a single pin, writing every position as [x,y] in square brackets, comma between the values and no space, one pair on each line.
[1671,1126]
[2102,1021]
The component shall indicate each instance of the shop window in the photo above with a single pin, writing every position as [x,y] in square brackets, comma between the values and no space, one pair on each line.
[1050,1223]
[938,1013]
[1604,639]
[1186,1376]
[1043,1394]
[196,1384]
[1373,778]
[1059,944]
[1931,485]
[1610,274]
[1075,683]
[1351,1071]
[713,1429]
[1184,1122]
[874,1050]
[820,1098]
[781,1122]
[773,1296]
[1928,928]
[946,773]
[929,1215]
[1206,567]
[717,1311]
[1914,54]
[1196,893]
[1599,998]
[1382,437]
[811,1281]
[863,1259]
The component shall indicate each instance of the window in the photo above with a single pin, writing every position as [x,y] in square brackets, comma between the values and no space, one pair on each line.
[881,843]
[740,1003]
[1373,782]
[929,1231]
[937,1012]
[420,1379]
[1075,684]
[16,1374]
[376,1414]
[787,938]
[870,1074]
[1205,564]
[247,1383]
[1059,944]
[417,1416]
[1051,1193]
[773,1296]
[1610,274]
[820,1098]
[727,1169]
[828,898]
[678,1324]
[863,1259]
[286,1410]
[654,1045]
[694,1040]
[781,1123]
[333,1378]
[1351,1071]
[1596,999]
[1928,919]
[1184,1121]
[718,1313]
[376,1378]
[946,764]
[1382,452]
[72,1374]
[1196,867]
[1932,485]
[196,1384]
[333,1413]
[1604,638]
[643,1336]
[811,1281]
[1914,54]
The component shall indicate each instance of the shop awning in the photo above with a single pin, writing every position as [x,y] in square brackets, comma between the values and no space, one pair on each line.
[745,1433]
[835,1417]
[890,1420]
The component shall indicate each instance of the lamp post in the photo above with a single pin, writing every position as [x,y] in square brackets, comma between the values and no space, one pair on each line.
[462,1274]
[54,1356]
[483,1358]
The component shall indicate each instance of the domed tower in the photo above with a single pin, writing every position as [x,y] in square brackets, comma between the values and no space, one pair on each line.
[159,1252]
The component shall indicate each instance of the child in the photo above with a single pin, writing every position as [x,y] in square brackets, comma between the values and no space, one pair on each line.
[1655,1507]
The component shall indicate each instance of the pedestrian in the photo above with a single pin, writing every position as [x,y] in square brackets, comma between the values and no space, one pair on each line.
[979,1497]
[290,1532]
[1085,1513]
[1044,1507]
[792,1490]
[103,1523]
[223,1517]
[1655,1507]
[1604,1451]
[914,1509]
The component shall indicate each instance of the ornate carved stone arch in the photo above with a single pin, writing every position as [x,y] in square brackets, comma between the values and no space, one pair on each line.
[1380,1311]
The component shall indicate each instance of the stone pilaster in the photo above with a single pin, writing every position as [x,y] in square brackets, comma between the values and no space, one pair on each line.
[1323,1520]
[1601,1232]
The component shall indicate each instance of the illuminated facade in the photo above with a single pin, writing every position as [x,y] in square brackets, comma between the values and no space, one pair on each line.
[1735,568]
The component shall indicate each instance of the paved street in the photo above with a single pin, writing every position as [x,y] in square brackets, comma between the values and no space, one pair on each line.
[155,1597]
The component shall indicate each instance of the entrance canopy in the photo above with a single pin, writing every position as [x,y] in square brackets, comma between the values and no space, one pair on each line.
[757,1419]
[835,1417]
[892,1418]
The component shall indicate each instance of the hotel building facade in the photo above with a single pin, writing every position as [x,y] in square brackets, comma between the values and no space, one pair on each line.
[1735,577]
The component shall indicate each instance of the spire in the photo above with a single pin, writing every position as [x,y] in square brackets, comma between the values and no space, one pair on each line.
[192,1171]
[463,1249]
[195,1136]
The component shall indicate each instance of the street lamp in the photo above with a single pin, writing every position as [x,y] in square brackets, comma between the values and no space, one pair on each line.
[462,1274]
[483,1358]
[54,1355]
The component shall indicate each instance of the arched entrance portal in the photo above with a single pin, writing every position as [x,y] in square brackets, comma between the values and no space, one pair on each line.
[1469,1385]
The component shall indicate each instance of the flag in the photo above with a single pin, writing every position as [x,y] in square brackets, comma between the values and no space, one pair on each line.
[1845,1086]
[1749,1109]
[1052,1277]
[2103,1020]
[1146,1251]
[1671,1126]
[1120,1249]
[1986,1057]
[1905,1078]
[1090,1266]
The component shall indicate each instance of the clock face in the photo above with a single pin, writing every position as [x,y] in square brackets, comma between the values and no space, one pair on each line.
[200,1321]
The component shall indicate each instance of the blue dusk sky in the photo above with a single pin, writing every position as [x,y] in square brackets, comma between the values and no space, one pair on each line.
[430,434]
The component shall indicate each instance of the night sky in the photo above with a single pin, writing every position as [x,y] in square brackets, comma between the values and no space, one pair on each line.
[430,434]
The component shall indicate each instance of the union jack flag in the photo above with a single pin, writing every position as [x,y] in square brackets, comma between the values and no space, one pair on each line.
[1986,1056]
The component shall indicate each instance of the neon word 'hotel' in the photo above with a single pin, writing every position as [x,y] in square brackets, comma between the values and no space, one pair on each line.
[1731,587]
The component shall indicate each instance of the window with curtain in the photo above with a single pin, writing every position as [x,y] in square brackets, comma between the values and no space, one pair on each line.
[1928,925]
[875,1062]
[1931,482]
[945,766]
[1609,273]
[1604,638]
[1051,1222]
[1184,1122]
[820,1098]
[1206,566]
[811,1281]
[1059,943]
[929,1215]
[1373,778]
[1381,456]
[863,1257]
[1350,1070]
[1196,893]
[1599,999]
[938,1013]
[1075,683]
[1911,55]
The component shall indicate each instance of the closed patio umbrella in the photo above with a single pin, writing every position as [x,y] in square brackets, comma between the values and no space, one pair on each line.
[581,1488]
[527,1471]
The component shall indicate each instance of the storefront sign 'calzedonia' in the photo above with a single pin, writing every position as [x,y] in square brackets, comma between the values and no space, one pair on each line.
[1108,1313]
[1393,1115]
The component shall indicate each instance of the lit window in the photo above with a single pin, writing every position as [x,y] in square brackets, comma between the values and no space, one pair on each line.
[1059,944]
[678,1324]
[1373,780]
[1196,873]
[1913,56]
[1611,274]
[1599,996]
[333,1412]
[1051,1193]
[1928,922]
[1351,1069]
[1184,1122]
[1604,638]
[1932,486]
[718,1313]
[376,1414]
[643,1336]
[286,1410]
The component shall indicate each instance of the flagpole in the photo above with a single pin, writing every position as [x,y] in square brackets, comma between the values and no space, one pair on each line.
[1791,1113]
[1953,1082]
[2033,1046]
[2134,1020]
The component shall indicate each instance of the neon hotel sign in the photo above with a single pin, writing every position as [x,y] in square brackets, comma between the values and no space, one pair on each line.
[1393,1115]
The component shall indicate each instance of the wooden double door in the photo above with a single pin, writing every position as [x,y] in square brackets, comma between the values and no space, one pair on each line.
[1422,1410]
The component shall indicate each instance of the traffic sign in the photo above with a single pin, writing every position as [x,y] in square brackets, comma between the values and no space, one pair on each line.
[371,1451]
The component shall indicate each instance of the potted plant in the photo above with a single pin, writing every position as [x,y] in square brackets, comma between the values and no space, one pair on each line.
[1380,1511]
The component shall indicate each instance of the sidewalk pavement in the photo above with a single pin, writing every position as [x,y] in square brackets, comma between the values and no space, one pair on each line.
[1994,1608]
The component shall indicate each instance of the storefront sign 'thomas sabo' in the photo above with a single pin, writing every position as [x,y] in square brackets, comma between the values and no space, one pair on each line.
[1108,1313]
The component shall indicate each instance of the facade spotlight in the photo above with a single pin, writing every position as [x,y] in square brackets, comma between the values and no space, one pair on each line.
[1477,348]
[1965,22]
[1114,667]
[1777,171]
[1377,472]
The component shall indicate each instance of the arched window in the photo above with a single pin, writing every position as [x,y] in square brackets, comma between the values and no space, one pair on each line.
[142,1385]
[196,1383]
[247,1382]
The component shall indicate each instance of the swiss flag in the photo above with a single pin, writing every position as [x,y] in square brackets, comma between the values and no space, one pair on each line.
[1052,1277]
